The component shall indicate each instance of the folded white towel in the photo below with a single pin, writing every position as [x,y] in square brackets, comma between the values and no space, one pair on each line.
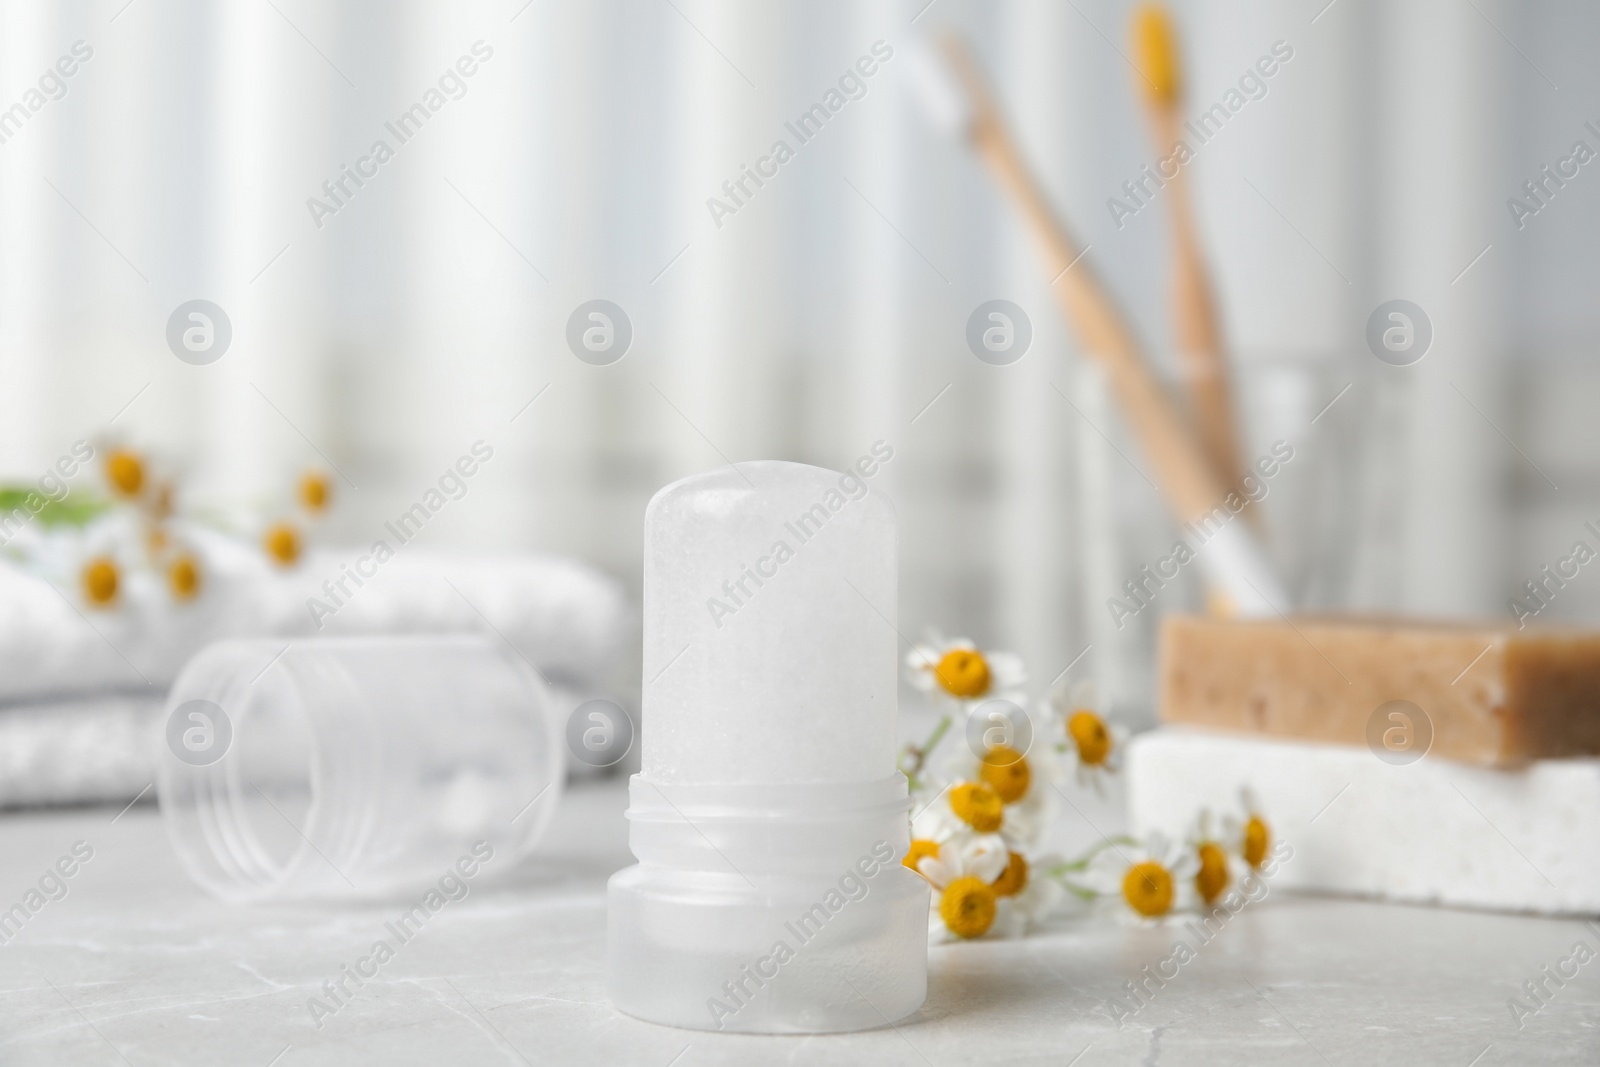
[572,622]
[82,751]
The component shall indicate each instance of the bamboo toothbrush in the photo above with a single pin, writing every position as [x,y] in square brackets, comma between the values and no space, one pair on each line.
[1233,563]
[1199,333]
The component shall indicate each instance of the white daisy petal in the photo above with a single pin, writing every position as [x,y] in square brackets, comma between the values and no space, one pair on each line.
[1250,801]
[936,870]
[1041,896]
[990,864]
[1006,671]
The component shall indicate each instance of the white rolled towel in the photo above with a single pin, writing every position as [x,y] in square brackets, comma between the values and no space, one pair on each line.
[571,621]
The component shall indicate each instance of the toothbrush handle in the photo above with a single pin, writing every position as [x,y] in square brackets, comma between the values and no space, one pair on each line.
[1193,490]
[1196,325]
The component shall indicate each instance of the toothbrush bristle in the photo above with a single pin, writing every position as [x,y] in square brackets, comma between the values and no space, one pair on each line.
[1155,45]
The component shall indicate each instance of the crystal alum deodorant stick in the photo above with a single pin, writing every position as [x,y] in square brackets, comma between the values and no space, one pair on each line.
[769,819]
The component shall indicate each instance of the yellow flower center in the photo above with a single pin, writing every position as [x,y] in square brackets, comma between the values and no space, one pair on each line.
[100,581]
[1006,771]
[1089,733]
[1014,878]
[920,847]
[314,491]
[964,673]
[183,577]
[1147,887]
[967,907]
[125,472]
[1212,877]
[977,805]
[1256,839]
[282,543]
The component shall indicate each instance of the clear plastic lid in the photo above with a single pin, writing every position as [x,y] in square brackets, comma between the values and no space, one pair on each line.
[355,767]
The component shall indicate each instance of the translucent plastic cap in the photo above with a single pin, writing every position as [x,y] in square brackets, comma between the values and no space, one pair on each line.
[355,767]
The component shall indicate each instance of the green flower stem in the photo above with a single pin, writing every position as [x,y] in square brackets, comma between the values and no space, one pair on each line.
[934,738]
[1078,891]
[915,757]
[1060,870]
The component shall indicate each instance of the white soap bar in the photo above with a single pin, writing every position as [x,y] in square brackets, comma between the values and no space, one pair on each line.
[1432,831]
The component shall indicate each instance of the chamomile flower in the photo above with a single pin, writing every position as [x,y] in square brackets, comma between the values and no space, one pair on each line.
[975,806]
[185,576]
[315,490]
[1148,881]
[965,901]
[959,669]
[957,808]
[96,565]
[91,564]
[1007,771]
[1251,836]
[282,544]
[1214,865]
[920,847]
[1095,743]
[1023,783]
[1027,895]
[100,579]
[125,472]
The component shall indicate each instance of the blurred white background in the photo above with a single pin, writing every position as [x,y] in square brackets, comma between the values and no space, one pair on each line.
[829,311]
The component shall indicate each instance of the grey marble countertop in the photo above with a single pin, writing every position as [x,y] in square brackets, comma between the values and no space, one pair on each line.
[135,966]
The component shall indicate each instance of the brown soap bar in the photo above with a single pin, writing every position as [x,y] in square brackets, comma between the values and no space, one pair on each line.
[1493,694]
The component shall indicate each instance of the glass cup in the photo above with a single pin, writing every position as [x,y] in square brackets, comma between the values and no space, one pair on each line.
[1309,507]
[355,767]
